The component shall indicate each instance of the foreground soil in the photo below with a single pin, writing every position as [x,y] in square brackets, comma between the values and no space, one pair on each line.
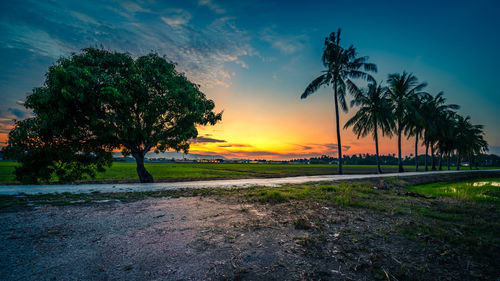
[321,231]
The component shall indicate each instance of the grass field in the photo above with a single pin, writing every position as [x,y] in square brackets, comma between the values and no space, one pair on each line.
[195,171]
[487,190]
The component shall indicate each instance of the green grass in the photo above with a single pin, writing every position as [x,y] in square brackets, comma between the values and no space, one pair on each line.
[7,171]
[482,190]
[193,171]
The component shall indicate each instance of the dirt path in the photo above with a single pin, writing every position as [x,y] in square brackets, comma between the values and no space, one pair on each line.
[386,234]
[173,239]
[88,188]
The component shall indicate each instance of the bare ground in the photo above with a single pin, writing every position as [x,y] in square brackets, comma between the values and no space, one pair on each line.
[224,238]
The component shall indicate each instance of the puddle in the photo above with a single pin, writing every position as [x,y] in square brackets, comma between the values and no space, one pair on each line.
[483,183]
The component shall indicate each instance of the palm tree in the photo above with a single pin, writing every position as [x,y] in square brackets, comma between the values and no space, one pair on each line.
[374,113]
[469,139]
[436,111]
[403,90]
[342,65]
[446,137]
[414,124]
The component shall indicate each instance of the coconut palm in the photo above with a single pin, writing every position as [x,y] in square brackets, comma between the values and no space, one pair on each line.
[446,137]
[435,111]
[342,65]
[470,140]
[414,123]
[403,90]
[374,113]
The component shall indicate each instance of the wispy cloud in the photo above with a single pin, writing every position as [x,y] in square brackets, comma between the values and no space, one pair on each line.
[134,7]
[212,6]
[176,17]
[206,140]
[286,44]
[201,51]
[18,113]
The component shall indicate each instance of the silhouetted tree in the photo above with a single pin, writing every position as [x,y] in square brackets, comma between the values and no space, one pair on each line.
[342,65]
[403,90]
[100,100]
[374,113]
[435,111]
[414,123]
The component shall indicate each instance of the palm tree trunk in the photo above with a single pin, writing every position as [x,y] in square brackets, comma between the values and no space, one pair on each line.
[448,160]
[400,162]
[340,172]
[433,163]
[440,161]
[426,154]
[416,152]
[376,149]
[470,161]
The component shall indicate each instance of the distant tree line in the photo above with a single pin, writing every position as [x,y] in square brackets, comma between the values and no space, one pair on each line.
[402,108]
[483,160]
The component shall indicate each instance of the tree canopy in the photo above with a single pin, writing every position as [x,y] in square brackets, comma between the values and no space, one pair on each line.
[97,101]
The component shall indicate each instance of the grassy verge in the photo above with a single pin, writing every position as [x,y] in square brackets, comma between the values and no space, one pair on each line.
[487,190]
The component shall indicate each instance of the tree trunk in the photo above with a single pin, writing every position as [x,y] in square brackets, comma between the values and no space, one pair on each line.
[458,161]
[433,163]
[440,161]
[376,150]
[426,154]
[340,171]
[143,174]
[400,161]
[416,152]
[448,160]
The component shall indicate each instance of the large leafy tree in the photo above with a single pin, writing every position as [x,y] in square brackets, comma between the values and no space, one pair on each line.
[374,114]
[403,90]
[97,101]
[342,65]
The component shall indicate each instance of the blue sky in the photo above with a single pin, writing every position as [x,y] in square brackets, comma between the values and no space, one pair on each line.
[254,58]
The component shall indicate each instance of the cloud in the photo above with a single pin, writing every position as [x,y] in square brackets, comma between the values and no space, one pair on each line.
[134,7]
[304,147]
[17,112]
[35,40]
[334,147]
[201,50]
[235,145]
[206,140]
[176,17]
[212,6]
[286,44]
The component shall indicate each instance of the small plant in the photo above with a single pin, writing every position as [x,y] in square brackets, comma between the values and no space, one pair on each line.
[302,224]
[273,197]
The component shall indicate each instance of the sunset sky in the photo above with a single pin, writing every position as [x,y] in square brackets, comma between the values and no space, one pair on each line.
[254,59]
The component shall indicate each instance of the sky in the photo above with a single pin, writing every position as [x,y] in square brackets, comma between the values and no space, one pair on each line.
[255,58]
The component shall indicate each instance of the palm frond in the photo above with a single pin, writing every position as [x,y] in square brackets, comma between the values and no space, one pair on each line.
[315,85]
